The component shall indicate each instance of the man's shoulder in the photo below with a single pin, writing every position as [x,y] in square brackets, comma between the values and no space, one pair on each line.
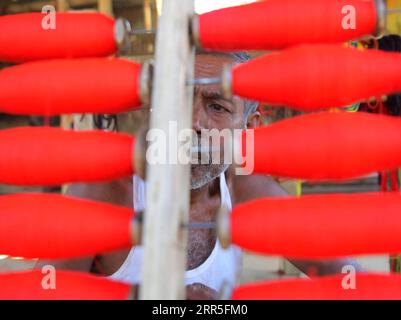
[246,188]
[117,192]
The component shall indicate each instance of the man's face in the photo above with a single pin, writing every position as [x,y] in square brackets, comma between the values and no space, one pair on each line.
[212,111]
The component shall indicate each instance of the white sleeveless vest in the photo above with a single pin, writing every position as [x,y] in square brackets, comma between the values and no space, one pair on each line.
[222,266]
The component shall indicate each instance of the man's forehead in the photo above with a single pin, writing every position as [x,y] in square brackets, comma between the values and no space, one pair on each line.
[211,64]
[209,92]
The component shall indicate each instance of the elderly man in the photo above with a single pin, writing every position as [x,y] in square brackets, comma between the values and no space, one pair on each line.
[208,264]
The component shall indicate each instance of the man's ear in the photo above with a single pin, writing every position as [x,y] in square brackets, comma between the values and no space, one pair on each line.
[254,120]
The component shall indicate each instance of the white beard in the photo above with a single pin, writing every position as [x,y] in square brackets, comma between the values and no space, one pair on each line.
[203,174]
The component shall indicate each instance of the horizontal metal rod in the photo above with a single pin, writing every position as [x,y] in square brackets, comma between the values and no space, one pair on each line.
[204,149]
[200,225]
[204,81]
[191,225]
[141,31]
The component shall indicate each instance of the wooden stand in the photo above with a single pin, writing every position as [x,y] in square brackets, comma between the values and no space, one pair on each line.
[168,184]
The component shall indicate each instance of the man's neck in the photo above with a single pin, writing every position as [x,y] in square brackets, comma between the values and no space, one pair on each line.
[205,202]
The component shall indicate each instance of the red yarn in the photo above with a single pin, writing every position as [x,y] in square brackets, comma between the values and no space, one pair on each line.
[28,285]
[52,226]
[52,156]
[318,76]
[276,24]
[328,146]
[319,226]
[76,35]
[97,85]
[368,287]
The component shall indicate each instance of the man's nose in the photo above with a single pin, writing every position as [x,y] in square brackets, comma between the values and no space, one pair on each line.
[199,119]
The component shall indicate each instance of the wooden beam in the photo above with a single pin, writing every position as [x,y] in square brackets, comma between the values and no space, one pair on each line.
[62,5]
[82,3]
[27,7]
[106,7]
[38,5]
[147,14]
[86,121]
[168,187]
[66,120]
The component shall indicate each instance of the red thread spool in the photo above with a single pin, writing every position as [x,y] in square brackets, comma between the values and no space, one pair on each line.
[368,287]
[51,156]
[51,226]
[328,146]
[27,285]
[70,86]
[76,35]
[313,77]
[276,24]
[319,226]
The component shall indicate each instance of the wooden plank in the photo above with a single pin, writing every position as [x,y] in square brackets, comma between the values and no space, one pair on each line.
[147,14]
[66,120]
[168,185]
[38,5]
[82,3]
[86,121]
[106,7]
[62,5]
[27,7]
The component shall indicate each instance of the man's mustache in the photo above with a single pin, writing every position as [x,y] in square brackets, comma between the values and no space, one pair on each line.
[203,151]
[202,145]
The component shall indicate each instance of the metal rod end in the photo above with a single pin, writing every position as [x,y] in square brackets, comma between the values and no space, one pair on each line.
[145,81]
[194,31]
[203,81]
[122,29]
[226,81]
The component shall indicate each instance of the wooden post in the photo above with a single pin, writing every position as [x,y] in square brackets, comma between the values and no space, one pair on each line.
[147,14]
[85,121]
[106,7]
[62,5]
[66,120]
[167,203]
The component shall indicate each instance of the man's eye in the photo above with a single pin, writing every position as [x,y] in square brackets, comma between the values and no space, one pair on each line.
[217,108]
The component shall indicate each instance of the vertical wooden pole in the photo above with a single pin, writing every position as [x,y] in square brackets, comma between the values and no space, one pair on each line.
[62,5]
[66,120]
[147,14]
[106,7]
[85,121]
[167,202]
